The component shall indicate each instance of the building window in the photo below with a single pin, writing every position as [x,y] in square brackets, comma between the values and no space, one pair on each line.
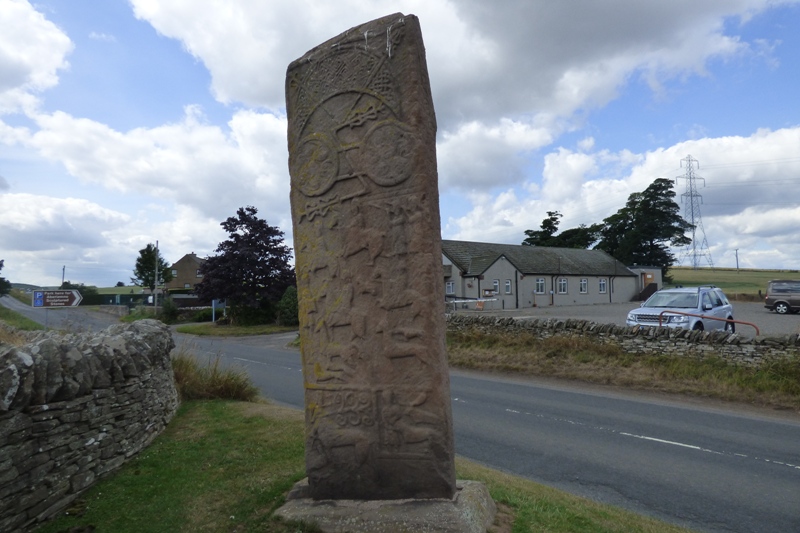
[508,286]
[539,285]
[584,286]
[603,285]
[198,274]
[450,287]
[187,285]
[174,273]
[562,285]
[496,286]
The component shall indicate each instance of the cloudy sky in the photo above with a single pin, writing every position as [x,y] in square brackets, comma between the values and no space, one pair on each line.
[126,122]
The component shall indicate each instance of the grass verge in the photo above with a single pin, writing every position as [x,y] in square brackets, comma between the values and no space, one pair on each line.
[196,381]
[16,320]
[775,385]
[211,329]
[225,466]
[219,466]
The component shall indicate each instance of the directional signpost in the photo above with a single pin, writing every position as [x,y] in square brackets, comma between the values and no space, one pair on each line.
[50,299]
[56,298]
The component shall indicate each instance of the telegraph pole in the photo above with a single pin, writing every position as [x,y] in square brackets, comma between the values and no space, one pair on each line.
[692,214]
[155,283]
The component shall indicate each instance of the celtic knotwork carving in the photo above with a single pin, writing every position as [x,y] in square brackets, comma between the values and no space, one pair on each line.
[315,164]
[353,408]
[387,153]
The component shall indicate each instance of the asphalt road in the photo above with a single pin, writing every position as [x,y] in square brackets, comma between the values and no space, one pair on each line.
[715,468]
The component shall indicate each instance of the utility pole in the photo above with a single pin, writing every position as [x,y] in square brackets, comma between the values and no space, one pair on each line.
[155,283]
[692,214]
[63,272]
[737,260]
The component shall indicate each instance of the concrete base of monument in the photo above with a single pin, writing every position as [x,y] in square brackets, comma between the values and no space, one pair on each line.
[471,510]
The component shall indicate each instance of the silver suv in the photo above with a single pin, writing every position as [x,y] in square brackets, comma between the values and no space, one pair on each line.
[701,305]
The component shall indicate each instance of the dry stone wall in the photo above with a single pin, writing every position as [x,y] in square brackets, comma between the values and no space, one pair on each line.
[74,408]
[640,340]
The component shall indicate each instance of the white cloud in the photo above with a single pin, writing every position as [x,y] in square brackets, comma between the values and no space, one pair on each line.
[480,156]
[191,163]
[508,83]
[104,37]
[32,51]
[32,222]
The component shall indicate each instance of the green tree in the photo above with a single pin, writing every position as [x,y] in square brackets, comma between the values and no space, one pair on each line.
[85,290]
[5,285]
[642,231]
[251,270]
[581,237]
[145,271]
[544,236]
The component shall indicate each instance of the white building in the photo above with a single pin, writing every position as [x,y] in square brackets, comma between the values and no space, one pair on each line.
[519,276]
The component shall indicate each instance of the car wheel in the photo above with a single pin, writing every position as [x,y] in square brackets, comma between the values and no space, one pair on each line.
[781,308]
[730,326]
[698,326]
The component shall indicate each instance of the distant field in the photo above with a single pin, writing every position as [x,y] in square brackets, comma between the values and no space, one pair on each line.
[745,281]
[119,290]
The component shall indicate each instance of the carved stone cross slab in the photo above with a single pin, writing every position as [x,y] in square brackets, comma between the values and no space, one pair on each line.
[365,207]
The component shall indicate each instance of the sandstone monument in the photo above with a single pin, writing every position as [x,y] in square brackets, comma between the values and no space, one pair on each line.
[365,207]
[362,158]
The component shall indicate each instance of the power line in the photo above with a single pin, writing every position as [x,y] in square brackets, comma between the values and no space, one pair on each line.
[752,163]
[692,214]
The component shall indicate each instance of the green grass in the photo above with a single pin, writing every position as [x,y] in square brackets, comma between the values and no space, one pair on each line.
[745,281]
[225,467]
[219,466]
[119,290]
[16,320]
[22,296]
[776,384]
[211,329]
[529,507]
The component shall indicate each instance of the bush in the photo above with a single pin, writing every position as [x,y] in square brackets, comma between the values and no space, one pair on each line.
[252,316]
[287,308]
[169,312]
[204,315]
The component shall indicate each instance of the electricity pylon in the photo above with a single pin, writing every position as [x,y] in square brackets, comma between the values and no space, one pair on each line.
[691,213]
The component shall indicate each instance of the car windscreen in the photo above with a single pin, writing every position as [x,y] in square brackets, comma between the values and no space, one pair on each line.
[672,299]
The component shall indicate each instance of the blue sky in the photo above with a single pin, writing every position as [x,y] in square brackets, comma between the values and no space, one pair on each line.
[126,122]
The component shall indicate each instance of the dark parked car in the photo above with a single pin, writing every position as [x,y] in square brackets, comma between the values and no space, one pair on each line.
[783,296]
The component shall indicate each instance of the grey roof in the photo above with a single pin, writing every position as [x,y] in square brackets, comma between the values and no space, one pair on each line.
[473,258]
